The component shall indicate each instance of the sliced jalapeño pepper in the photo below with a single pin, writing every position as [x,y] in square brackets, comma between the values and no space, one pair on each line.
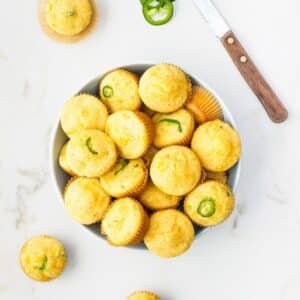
[108,91]
[207,207]
[158,12]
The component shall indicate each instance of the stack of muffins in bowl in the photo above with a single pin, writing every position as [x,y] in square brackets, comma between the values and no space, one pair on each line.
[147,154]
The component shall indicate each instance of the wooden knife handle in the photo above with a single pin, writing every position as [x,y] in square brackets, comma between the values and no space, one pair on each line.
[270,101]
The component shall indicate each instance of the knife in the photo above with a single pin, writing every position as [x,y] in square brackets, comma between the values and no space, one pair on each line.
[270,101]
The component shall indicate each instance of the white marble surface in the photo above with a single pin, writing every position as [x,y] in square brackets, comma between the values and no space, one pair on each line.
[255,254]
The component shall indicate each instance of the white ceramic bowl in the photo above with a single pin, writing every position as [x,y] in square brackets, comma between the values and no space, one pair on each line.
[60,178]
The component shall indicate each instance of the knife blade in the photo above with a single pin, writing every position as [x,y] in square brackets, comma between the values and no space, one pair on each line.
[265,94]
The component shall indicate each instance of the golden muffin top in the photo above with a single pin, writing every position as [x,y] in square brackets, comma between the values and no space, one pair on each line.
[175,170]
[124,222]
[83,112]
[170,233]
[85,200]
[68,17]
[142,295]
[210,203]
[119,90]
[173,129]
[164,88]
[91,153]
[126,178]
[153,198]
[132,131]
[43,258]
[217,145]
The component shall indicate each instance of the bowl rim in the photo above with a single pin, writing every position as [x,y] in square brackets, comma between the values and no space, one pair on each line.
[54,160]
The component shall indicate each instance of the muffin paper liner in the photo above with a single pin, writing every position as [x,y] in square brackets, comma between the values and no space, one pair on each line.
[204,107]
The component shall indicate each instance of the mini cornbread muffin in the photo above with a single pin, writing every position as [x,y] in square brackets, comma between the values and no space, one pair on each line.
[119,90]
[173,129]
[85,200]
[164,88]
[209,204]
[204,106]
[153,198]
[218,176]
[83,112]
[67,20]
[125,222]
[62,160]
[132,131]
[91,153]
[148,156]
[175,170]
[126,178]
[43,258]
[217,145]
[170,233]
[143,295]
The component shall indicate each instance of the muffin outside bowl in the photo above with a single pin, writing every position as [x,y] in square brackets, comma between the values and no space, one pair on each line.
[67,21]
[142,295]
[43,258]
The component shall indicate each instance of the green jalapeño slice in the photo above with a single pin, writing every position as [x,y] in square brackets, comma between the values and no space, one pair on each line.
[207,207]
[108,91]
[172,121]
[89,145]
[158,12]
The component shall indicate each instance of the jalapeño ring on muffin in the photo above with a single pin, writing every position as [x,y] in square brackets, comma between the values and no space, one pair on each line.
[126,178]
[83,111]
[164,88]
[173,129]
[125,222]
[85,200]
[62,160]
[170,233]
[132,131]
[67,20]
[204,105]
[119,90]
[91,153]
[217,145]
[175,170]
[209,204]
[43,258]
[143,295]
[155,199]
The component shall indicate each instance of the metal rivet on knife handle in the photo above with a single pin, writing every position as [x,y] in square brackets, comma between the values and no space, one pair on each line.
[230,40]
[243,59]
